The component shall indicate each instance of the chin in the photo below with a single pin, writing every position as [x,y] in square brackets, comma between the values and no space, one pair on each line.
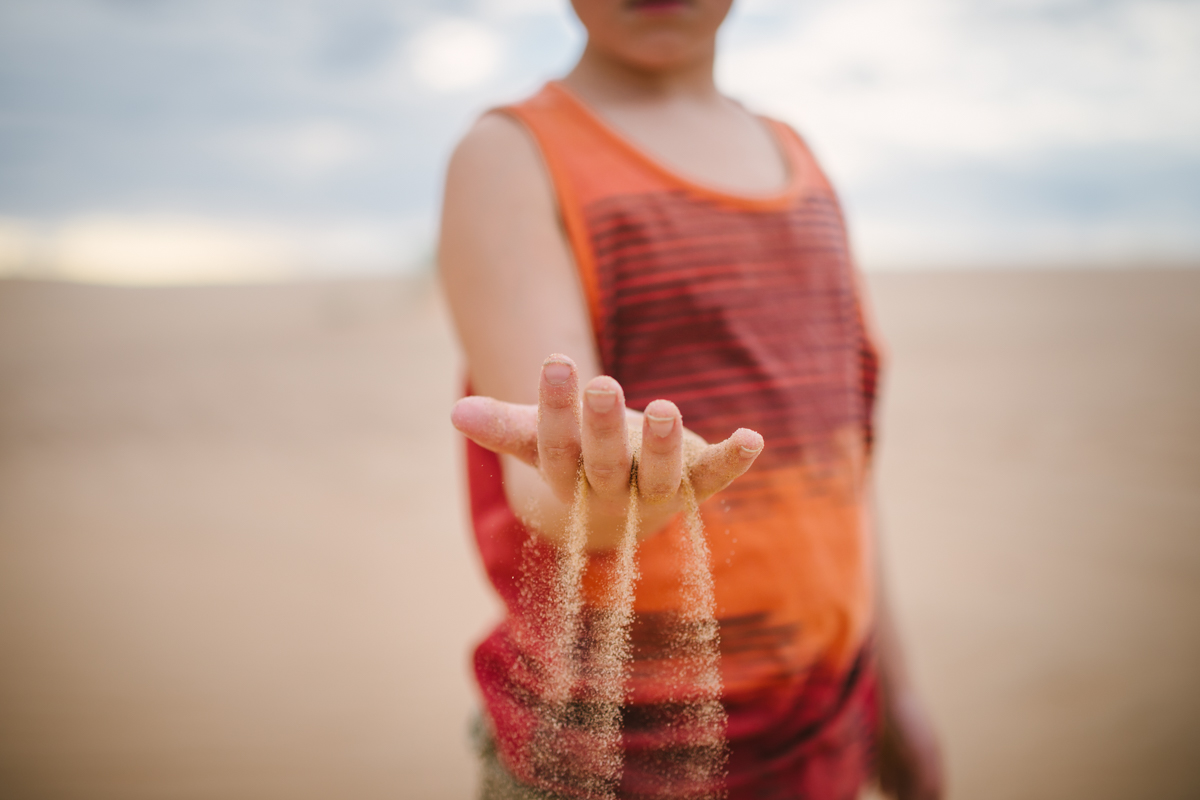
[652,34]
[659,8]
[660,50]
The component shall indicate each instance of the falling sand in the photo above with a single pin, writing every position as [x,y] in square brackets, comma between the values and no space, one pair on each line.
[579,744]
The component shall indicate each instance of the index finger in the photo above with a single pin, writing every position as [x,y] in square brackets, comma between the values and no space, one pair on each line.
[500,427]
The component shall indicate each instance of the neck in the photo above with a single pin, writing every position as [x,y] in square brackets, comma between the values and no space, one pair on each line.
[603,78]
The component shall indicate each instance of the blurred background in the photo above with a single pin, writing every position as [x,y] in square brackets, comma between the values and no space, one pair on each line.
[233,554]
[212,141]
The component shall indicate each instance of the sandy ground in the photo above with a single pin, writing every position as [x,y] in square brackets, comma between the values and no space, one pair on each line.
[233,561]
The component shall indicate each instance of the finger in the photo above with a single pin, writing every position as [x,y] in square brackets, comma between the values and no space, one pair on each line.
[606,454]
[498,426]
[558,425]
[660,465]
[718,464]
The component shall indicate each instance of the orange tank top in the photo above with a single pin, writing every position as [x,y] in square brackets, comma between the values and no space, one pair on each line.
[746,312]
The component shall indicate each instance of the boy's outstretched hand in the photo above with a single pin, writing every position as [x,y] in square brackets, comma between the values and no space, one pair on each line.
[560,432]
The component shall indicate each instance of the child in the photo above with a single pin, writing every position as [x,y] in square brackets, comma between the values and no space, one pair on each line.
[690,259]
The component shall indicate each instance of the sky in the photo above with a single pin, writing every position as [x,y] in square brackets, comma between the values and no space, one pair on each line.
[189,141]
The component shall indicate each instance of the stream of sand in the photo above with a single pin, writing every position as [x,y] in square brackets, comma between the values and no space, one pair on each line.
[580,741]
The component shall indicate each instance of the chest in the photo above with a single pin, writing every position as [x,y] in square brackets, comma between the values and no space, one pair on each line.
[740,317]
[727,149]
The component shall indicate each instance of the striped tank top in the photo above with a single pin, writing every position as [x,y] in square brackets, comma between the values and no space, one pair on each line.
[746,312]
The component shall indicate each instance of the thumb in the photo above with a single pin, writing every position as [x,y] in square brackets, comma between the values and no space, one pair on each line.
[719,464]
[500,427]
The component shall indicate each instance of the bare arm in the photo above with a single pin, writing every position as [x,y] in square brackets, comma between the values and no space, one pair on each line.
[513,290]
[506,266]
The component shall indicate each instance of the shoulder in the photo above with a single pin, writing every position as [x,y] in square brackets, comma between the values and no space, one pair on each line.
[496,150]
[496,182]
[801,156]
[789,137]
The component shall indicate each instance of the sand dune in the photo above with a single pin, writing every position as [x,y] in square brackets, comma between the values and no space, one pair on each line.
[233,560]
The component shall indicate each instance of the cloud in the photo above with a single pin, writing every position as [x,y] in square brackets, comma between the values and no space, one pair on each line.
[164,249]
[454,54]
[946,124]
[872,78]
[955,132]
[516,8]
[303,150]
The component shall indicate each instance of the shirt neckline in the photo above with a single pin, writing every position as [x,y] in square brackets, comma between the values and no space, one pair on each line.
[797,176]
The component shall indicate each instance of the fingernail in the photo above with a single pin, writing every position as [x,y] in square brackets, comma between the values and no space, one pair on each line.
[750,451]
[601,400]
[556,372]
[661,426]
